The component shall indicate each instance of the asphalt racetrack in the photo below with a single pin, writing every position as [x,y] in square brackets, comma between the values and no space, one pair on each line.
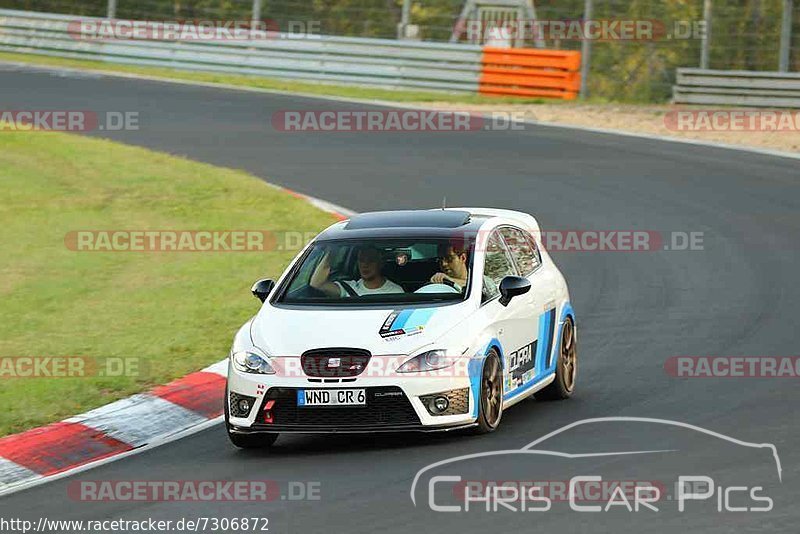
[736,297]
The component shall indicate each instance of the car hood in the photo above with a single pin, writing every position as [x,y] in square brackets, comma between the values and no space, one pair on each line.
[290,332]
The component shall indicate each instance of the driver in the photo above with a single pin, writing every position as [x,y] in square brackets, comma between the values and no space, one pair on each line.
[372,281]
[453,262]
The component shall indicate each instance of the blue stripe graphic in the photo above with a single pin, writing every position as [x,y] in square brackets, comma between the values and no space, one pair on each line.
[417,318]
[541,345]
[566,311]
[548,350]
[400,320]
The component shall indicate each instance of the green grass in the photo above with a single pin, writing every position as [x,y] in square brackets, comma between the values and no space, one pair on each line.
[177,311]
[274,84]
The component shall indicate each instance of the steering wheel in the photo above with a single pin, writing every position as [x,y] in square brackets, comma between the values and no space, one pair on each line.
[445,286]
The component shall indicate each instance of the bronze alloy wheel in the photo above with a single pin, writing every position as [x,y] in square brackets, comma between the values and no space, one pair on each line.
[563,385]
[491,394]
[569,356]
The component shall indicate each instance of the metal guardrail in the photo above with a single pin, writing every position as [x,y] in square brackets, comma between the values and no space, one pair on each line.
[737,87]
[368,62]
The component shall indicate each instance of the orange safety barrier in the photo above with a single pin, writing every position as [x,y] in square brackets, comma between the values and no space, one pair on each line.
[530,72]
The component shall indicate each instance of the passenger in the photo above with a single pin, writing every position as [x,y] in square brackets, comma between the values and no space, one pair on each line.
[372,281]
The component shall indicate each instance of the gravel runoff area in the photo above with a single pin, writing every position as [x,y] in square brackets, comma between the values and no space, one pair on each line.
[734,126]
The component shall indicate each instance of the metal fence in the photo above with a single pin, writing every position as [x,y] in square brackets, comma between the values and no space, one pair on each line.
[746,88]
[368,62]
[755,35]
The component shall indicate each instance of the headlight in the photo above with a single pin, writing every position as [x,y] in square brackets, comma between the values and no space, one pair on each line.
[427,361]
[250,362]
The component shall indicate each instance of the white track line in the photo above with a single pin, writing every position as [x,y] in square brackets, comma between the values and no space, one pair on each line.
[157,442]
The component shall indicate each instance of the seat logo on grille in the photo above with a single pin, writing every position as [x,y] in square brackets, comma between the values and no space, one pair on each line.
[334,362]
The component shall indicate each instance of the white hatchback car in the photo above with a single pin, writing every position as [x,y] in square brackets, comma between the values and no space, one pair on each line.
[404,320]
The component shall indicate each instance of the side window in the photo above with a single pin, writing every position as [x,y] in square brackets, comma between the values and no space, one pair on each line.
[496,267]
[522,248]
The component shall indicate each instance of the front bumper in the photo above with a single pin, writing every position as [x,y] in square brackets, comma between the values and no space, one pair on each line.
[283,429]
[392,404]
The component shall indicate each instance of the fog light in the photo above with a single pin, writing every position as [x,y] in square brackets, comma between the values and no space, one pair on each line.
[453,402]
[440,404]
[241,405]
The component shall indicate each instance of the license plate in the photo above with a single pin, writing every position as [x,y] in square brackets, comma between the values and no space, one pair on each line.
[331,397]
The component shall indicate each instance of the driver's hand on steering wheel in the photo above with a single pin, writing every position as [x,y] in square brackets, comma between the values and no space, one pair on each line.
[439,278]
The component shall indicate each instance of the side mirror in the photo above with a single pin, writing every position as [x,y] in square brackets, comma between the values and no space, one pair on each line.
[512,286]
[262,288]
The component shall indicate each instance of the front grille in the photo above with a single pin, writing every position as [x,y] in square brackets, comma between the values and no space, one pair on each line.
[334,362]
[386,406]
[458,398]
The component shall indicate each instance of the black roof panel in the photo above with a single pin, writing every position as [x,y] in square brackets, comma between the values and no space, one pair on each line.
[408,219]
[406,224]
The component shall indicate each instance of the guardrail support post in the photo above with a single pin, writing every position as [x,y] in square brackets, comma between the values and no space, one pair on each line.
[405,17]
[586,51]
[256,12]
[786,36]
[705,42]
[111,12]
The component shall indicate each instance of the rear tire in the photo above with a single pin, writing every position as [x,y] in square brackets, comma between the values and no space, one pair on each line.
[563,386]
[490,403]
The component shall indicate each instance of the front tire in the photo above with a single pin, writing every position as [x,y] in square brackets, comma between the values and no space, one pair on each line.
[563,386]
[490,403]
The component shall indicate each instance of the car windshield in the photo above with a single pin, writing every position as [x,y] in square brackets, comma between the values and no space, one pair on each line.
[380,271]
